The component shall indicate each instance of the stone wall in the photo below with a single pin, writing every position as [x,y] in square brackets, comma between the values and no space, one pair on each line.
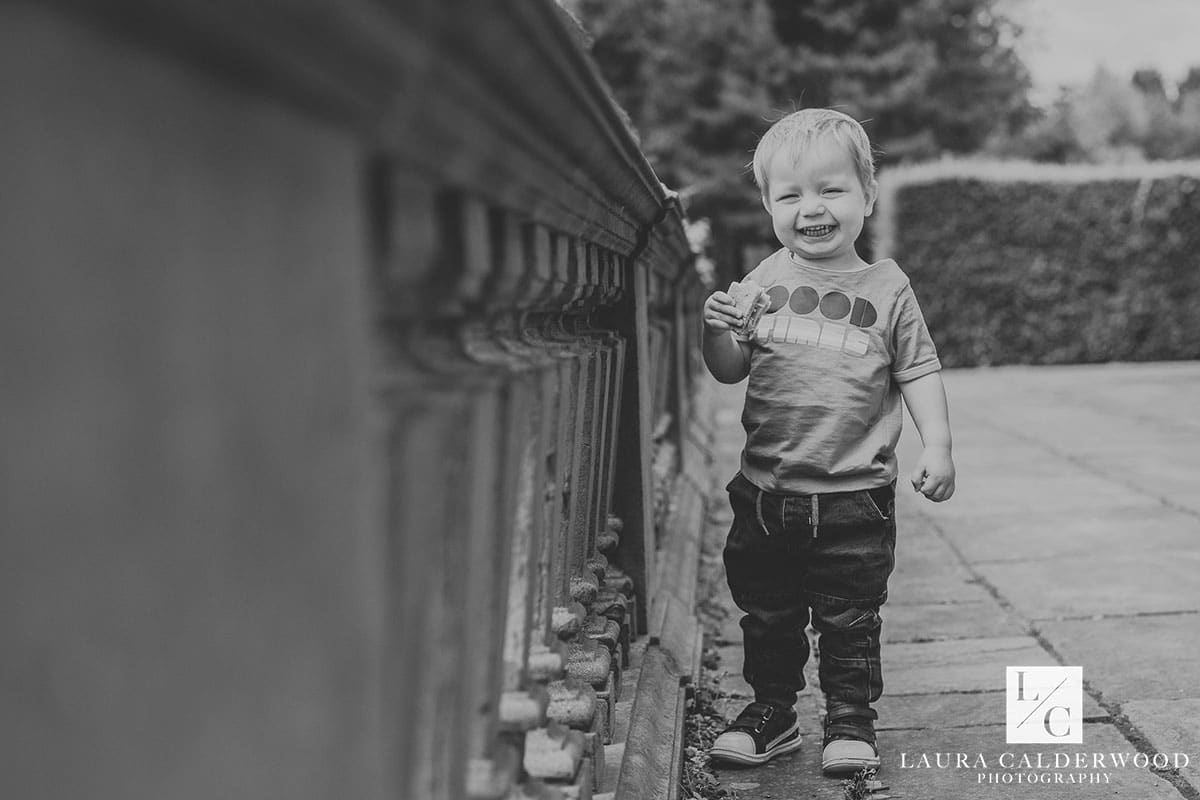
[348,364]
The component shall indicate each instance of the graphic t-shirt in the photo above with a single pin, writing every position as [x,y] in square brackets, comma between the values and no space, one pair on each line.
[823,407]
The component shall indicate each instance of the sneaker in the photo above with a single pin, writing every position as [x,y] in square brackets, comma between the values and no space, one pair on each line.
[849,741]
[761,732]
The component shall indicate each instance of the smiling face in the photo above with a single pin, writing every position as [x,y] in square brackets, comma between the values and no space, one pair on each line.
[817,204]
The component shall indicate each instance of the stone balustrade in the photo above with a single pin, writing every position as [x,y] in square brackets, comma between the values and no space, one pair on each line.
[350,350]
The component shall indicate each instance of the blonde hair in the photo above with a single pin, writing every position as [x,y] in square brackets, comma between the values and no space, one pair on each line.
[800,129]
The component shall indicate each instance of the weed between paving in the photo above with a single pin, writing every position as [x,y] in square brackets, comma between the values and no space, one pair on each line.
[702,725]
[704,722]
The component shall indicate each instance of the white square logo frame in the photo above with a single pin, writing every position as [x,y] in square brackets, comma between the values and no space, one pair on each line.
[1044,705]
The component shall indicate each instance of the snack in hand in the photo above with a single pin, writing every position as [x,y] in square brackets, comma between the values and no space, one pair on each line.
[752,300]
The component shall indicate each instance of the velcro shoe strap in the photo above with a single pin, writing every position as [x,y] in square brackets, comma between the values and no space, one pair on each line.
[754,719]
[849,721]
[848,730]
[844,711]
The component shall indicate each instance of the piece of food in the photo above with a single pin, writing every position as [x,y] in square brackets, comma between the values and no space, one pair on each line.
[752,300]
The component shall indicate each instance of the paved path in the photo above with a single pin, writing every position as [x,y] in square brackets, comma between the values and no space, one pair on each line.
[1073,539]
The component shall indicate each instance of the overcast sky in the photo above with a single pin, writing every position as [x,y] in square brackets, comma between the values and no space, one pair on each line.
[1065,40]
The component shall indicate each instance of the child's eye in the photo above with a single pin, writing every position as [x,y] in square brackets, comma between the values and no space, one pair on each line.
[786,197]
[832,190]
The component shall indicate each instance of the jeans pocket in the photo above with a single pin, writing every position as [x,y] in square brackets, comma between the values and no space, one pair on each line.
[752,507]
[880,500]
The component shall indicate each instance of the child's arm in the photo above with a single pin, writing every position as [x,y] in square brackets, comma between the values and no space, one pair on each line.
[926,401]
[726,358]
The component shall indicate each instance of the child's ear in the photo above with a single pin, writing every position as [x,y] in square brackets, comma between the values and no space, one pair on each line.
[872,189]
[766,203]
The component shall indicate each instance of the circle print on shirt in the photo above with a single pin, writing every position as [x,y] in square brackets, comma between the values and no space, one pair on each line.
[829,332]
[804,299]
[778,296]
[835,305]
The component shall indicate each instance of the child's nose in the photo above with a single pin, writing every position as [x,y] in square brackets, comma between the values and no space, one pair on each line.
[812,208]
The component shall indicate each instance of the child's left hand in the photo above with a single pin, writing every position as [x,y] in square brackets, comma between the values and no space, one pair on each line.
[934,474]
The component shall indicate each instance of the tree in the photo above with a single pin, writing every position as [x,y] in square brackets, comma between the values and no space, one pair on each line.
[1187,108]
[1051,136]
[1159,136]
[1113,119]
[934,77]
[1110,117]
[703,79]
[690,75]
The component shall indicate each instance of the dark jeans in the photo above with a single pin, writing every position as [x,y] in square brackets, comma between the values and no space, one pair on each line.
[828,554]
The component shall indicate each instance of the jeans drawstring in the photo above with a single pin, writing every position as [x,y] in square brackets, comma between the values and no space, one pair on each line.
[758,510]
[816,513]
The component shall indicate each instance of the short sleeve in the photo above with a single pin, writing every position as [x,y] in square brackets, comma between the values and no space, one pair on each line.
[914,354]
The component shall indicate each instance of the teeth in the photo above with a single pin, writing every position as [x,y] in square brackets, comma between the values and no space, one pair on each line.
[817,230]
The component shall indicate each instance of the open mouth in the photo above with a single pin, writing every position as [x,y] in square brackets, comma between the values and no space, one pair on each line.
[817,231]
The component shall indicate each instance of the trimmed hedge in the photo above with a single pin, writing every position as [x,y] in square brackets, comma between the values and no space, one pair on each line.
[1034,264]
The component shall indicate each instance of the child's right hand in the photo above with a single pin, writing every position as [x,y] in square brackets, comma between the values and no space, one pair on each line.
[720,313]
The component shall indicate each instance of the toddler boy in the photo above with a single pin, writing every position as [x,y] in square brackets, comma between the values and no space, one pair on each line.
[814,533]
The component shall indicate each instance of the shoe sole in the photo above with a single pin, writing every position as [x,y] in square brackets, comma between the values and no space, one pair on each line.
[848,766]
[757,758]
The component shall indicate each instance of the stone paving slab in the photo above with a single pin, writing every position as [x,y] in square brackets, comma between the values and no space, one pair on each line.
[962,619]
[1066,427]
[955,710]
[932,581]
[921,550]
[1135,447]
[1102,583]
[1132,658]
[1170,726]
[1168,473]
[1063,427]
[728,630]
[957,665]
[927,569]
[1047,488]
[940,711]
[1115,531]
[797,776]
[1158,392]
